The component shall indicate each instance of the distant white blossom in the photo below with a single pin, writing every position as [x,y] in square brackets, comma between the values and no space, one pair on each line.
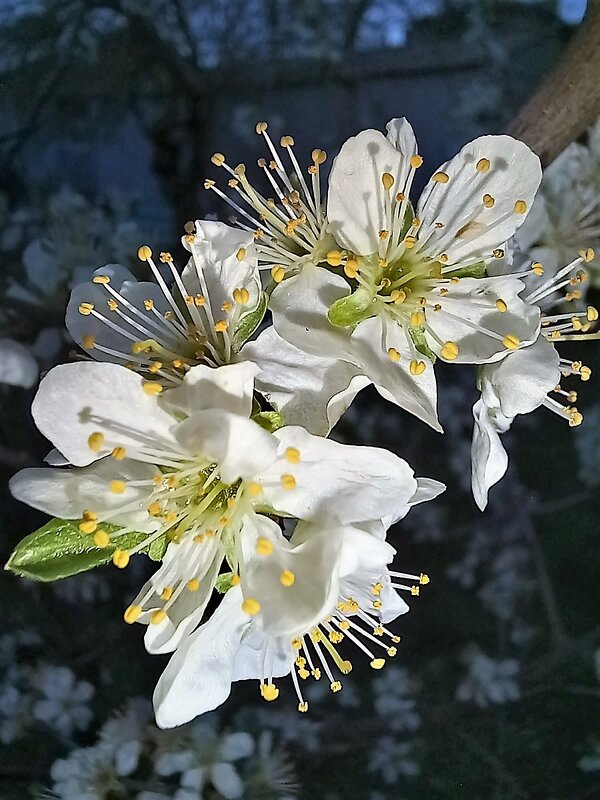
[489,681]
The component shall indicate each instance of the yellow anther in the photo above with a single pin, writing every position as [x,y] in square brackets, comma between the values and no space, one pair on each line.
[376,589]
[483,165]
[416,161]
[388,181]
[417,367]
[148,304]
[208,184]
[287,141]
[292,454]
[501,306]
[86,309]
[255,489]
[316,673]
[520,207]
[351,268]
[152,388]
[167,593]
[592,313]
[264,547]
[120,558]
[118,453]
[288,481]
[393,354]
[498,253]
[378,663]
[415,591]
[443,259]
[585,373]
[221,325]
[251,606]
[144,253]
[269,692]
[588,255]
[424,579]
[450,351]
[199,300]
[235,580]
[131,614]
[319,156]
[511,342]
[241,296]
[287,578]
[383,235]
[377,604]
[88,341]
[417,318]
[117,487]
[158,616]
[488,201]
[193,585]
[261,127]
[218,159]
[392,651]
[335,686]
[278,274]
[101,539]
[88,526]
[112,305]
[155,366]
[334,258]
[410,242]
[96,441]
[165,257]
[227,306]
[139,347]
[101,279]
[441,177]
[537,268]
[89,515]
[575,418]
[398,296]
[303,707]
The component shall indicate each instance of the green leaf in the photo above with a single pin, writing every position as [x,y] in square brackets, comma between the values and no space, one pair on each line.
[269,420]
[158,548]
[352,309]
[420,342]
[223,583]
[249,323]
[473,271]
[59,549]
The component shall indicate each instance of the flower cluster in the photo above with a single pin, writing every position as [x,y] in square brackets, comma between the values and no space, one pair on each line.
[184,436]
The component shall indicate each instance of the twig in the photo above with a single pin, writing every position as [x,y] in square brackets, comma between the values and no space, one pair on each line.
[568,101]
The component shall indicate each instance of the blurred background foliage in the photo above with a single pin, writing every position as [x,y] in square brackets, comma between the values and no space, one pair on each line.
[110,112]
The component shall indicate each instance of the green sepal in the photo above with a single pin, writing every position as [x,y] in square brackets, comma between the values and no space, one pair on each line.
[407,222]
[158,548]
[473,271]
[352,309]
[419,340]
[223,583]
[248,324]
[59,549]
[271,421]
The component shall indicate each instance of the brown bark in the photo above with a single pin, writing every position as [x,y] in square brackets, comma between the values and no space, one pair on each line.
[568,101]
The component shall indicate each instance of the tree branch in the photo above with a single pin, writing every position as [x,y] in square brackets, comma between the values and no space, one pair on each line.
[568,101]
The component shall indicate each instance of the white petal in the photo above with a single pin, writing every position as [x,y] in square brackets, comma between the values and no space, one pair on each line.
[122,281]
[356,196]
[472,302]
[56,459]
[299,306]
[427,489]
[371,341]
[216,255]
[185,614]
[229,388]
[41,266]
[66,493]
[363,551]
[18,367]
[520,382]
[226,781]
[289,610]
[489,461]
[198,676]
[336,481]
[515,174]
[76,400]
[240,446]
[401,135]
[308,390]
